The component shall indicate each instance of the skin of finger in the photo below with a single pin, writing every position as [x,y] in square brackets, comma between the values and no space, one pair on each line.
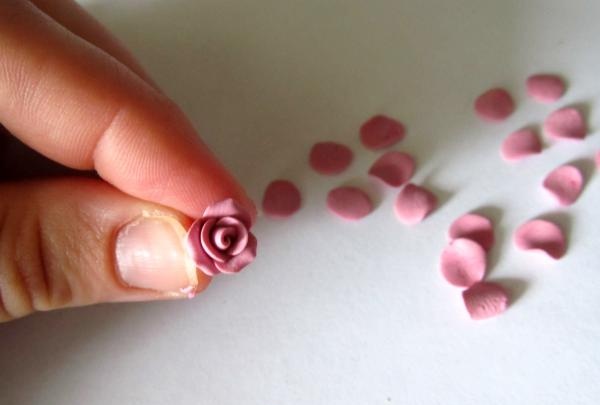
[72,103]
[76,19]
[57,241]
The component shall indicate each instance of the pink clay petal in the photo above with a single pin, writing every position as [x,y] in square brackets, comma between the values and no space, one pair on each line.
[545,88]
[414,204]
[194,247]
[566,123]
[521,144]
[485,300]
[350,203]
[236,228]
[380,132]
[330,158]
[494,105]
[281,199]
[393,168]
[541,235]
[463,262]
[565,183]
[228,208]
[237,263]
[474,227]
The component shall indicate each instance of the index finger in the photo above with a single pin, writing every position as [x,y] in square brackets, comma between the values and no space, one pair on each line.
[84,109]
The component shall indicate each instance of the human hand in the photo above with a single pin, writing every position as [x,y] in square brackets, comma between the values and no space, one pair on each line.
[71,92]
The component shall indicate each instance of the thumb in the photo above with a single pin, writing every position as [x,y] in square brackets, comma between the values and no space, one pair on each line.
[73,242]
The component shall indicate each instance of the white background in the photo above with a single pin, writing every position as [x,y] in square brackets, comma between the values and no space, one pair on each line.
[337,313]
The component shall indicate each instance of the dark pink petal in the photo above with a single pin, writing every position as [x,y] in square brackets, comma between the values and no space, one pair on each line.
[545,88]
[393,168]
[521,144]
[541,235]
[228,208]
[281,199]
[566,123]
[474,227]
[241,234]
[494,105]
[414,204]
[196,252]
[238,262]
[463,262]
[206,239]
[330,158]
[349,203]
[485,300]
[380,132]
[565,183]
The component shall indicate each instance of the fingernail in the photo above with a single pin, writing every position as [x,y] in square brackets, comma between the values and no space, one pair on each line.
[150,254]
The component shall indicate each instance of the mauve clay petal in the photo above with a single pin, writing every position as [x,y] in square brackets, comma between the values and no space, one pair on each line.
[463,262]
[281,199]
[494,105]
[521,144]
[228,208]
[565,183]
[485,300]
[545,88]
[206,234]
[223,236]
[474,227]
[541,235]
[238,262]
[380,132]
[349,203]
[565,123]
[393,168]
[330,158]
[414,204]
[194,248]
[241,234]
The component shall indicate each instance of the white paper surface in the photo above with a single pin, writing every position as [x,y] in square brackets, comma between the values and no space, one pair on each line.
[336,313]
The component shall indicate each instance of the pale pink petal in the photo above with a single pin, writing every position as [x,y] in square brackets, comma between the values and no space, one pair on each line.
[393,168]
[228,208]
[521,144]
[281,199]
[207,241]
[380,132]
[566,123]
[349,203]
[330,158]
[463,262]
[414,203]
[485,300]
[474,227]
[237,263]
[541,235]
[565,183]
[494,105]
[545,88]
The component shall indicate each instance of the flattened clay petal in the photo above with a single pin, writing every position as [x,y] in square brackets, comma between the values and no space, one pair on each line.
[474,227]
[521,144]
[228,208]
[463,262]
[542,235]
[565,184]
[350,203]
[237,263]
[380,132]
[566,123]
[494,105]
[330,158]
[393,168]
[545,88]
[281,199]
[414,203]
[485,300]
